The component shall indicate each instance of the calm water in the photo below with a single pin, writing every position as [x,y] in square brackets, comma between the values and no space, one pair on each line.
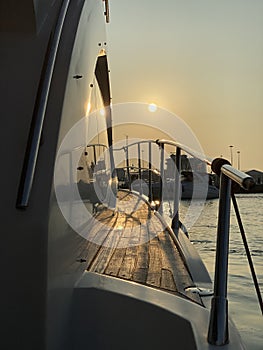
[243,304]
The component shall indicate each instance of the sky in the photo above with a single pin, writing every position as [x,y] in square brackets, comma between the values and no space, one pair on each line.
[200,59]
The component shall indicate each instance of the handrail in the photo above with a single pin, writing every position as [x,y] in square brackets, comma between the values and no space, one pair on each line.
[133,144]
[37,126]
[186,149]
[218,333]
[221,165]
[242,179]
[217,165]
[97,145]
[218,326]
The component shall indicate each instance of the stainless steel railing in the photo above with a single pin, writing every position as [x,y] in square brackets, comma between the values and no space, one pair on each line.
[218,325]
[33,145]
[126,148]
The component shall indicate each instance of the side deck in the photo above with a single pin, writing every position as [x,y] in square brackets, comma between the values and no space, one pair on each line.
[132,243]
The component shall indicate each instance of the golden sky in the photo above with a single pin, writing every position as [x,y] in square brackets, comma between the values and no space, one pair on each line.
[200,59]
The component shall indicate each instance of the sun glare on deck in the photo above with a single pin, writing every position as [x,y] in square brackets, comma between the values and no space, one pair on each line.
[152,107]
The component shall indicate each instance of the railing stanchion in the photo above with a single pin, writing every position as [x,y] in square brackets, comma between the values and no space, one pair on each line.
[177,185]
[218,327]
[161,177]
[94,154]
[128,167]
[139,161]
[140,166]
[150,172]
[249,257]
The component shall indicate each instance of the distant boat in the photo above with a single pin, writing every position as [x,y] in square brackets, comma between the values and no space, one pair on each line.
[257,188]
[193,186]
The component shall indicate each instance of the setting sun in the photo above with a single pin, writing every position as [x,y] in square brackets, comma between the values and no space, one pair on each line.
[152,107]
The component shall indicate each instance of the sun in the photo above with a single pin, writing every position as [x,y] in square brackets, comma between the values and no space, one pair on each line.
[152,107]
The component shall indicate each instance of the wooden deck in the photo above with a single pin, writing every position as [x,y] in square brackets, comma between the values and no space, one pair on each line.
[133,244]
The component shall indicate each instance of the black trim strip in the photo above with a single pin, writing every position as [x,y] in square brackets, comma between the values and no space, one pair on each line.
[102,76]
[33,144]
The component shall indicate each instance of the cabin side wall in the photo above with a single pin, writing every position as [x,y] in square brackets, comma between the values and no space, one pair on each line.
[83,39]
[38,248]
[23,235]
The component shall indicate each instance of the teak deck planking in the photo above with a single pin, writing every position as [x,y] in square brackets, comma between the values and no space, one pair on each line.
[132,243]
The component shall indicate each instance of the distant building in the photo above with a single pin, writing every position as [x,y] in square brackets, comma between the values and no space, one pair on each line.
[257,176]
[187,164]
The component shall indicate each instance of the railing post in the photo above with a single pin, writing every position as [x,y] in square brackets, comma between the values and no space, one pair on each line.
[150,172]
[161,177]
[140,167]
[218,327]
[94,154]
[139,161]
[177,184]
[128,166]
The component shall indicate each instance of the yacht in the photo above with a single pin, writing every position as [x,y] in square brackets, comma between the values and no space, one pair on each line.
[81,272]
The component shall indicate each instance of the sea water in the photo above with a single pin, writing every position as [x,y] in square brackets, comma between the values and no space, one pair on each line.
[243,304]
